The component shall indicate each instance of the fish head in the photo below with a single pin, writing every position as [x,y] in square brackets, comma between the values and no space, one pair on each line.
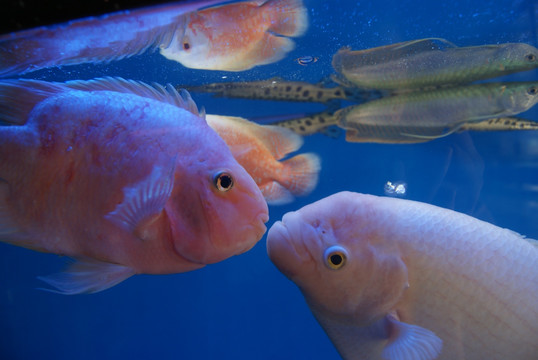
[335,253]
[216,210]
[517,56]
[518,97]
[192,47]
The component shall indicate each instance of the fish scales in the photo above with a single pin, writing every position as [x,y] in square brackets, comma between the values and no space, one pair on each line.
[417,280]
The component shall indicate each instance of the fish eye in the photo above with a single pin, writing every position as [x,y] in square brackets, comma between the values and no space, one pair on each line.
[186,46]
[533,90]
[530,57]
[335,257]
[223,181]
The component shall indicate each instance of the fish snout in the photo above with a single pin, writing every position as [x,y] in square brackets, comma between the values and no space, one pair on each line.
[282,251]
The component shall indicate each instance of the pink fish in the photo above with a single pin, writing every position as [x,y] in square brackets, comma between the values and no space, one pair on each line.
[123,177]
[393,279]
[95,39]
[258,149]
[238,36]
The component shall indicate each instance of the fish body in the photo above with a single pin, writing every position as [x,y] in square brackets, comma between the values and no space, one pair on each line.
[276,89]
[259,148]
[95,39]
[389,278]
[125,181]
[238,36]
[430,62]
[425,115]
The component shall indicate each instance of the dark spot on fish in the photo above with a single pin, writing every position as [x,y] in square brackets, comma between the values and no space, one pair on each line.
[306,93]
[308,123]
[267,91]
[319,94]
[337,93]
[302,128]
[507,122]
[299,88]
[322,119]
[288,88]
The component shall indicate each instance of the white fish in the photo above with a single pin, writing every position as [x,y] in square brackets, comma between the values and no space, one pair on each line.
[389,278]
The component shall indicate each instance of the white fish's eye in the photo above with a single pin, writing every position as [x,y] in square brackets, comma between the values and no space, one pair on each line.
[223,181]
[335,257]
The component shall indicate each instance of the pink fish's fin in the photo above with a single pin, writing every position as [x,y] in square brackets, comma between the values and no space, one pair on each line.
[410,341]
[145,199]
[19,97]
[278,140]
[300,173]
[167,94]
[87,277]
[269,49]
[276,194]
[290,17]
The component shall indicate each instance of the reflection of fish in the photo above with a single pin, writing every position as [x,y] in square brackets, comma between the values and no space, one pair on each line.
[425,115]
[129,180]
[310,124]
[429,62]
[238,36]
[391,279]
[258,148]
[276,89]
[111,37]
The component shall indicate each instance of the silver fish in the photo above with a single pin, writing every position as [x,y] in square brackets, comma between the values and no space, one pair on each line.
[429,62]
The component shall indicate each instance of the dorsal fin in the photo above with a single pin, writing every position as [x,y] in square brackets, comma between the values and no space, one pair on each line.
[278,140]
[19,97]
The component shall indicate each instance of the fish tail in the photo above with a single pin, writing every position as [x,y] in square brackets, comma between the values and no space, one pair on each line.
[290,17]
[301,172]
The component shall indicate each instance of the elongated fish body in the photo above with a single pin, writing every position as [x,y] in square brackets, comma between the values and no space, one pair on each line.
[502,124]
[238,36]
[310,124]
[126,181]
[276,89]
[102,39]
[392,279]
[431,62]
[259,148]
[425,115]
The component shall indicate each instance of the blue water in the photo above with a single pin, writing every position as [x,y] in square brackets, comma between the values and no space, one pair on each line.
[243,308]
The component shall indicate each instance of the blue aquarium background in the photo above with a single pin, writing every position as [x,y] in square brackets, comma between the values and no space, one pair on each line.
[244,308]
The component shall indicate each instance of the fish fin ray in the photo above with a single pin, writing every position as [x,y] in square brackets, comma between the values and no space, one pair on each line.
[144,199]
[87,277]
[301,173]
[426,44]
[291,17]
[433,137]
[410,342]
[276,194]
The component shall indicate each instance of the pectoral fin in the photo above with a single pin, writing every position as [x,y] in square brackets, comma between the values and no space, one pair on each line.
[145,199]
[87,277]
[410,342]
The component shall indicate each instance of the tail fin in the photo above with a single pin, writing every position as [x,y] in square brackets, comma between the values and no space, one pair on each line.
[290,17]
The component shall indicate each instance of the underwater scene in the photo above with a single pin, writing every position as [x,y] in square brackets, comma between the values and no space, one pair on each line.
[278,179]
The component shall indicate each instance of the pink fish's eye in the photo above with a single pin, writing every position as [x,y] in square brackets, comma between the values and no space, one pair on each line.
[223,181]
[186,46]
